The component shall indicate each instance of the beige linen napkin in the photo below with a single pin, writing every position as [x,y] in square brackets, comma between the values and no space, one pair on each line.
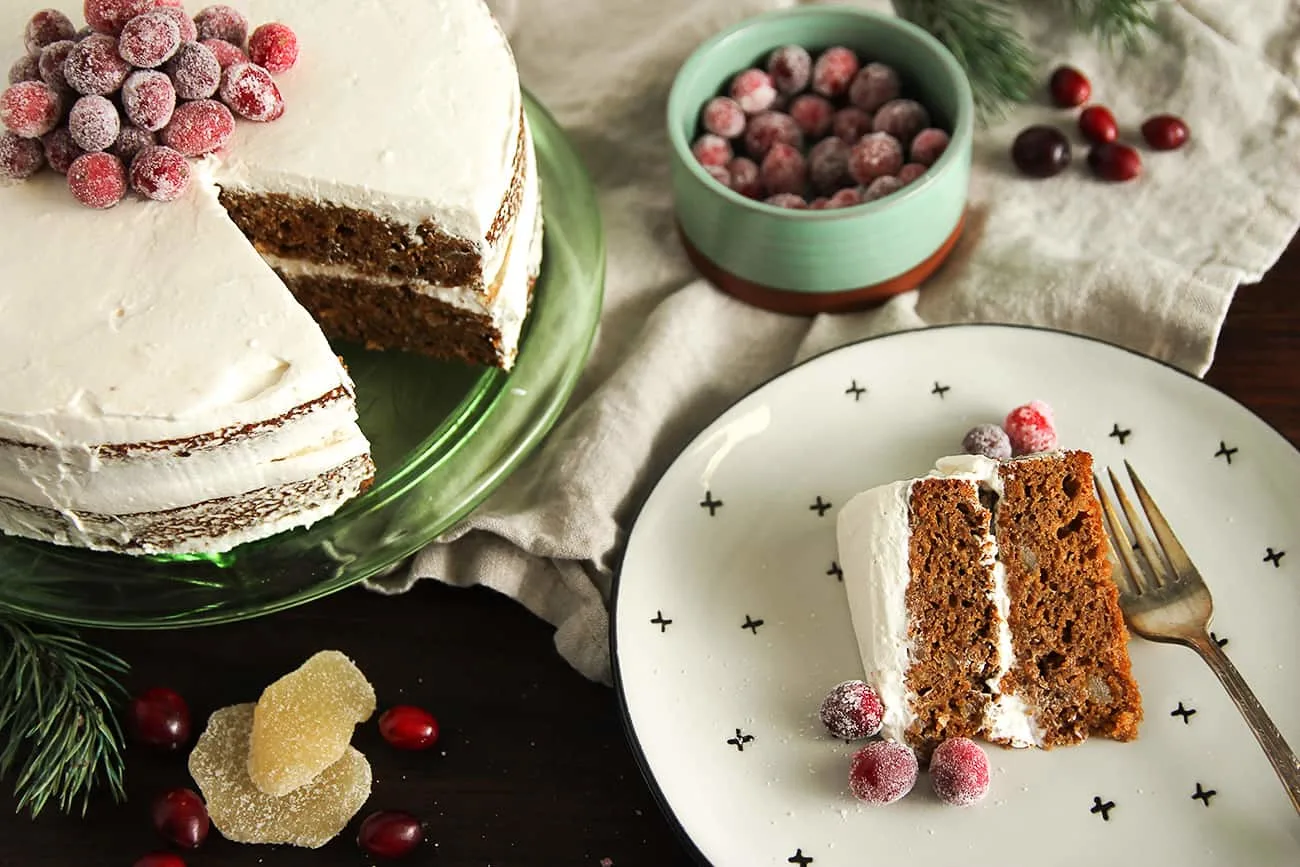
[1151,265]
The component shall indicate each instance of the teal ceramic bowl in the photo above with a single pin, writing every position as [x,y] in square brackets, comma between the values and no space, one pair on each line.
[809,262]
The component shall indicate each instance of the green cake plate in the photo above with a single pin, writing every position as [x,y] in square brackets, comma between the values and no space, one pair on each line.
[443,437]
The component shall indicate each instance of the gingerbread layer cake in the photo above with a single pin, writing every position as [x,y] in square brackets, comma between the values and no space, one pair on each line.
[983,605]
[166,385]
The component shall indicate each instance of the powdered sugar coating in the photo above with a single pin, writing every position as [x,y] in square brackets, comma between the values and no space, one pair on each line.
[875,155]
[110,16]
[873,86]
[130,141]
[25,68]
[813,114]
[160,173]
[752,90]
[227,55]
[959,772]
[94,123]
[787,200]
[149,99]
[50,65]
[60,150]
[768,128]
[194,71]
[94,68]
[1031,428]
[148,40]
[828,165]
[274,47]
[901,118]
[783,170]
[744,177]
[850,124]
[712,150]
[881,187]
[910,172]
[882,772]
[851,710]
[250,92]
[184,23]
[928,146]
[46,26]
[724,117]
[199,127]
[30,109]
[834,71]
[20,158]
[97,180]
[222,22]
[988,440]
[791,69]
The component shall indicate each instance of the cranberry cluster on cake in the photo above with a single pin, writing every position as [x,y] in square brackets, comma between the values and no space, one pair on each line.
[814,134]
[123,102]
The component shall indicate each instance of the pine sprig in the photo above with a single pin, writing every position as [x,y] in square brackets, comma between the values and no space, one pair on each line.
[59,735]
[982,36]
[1121,23]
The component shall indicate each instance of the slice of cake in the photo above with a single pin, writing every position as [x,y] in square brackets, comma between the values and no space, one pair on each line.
[983,605]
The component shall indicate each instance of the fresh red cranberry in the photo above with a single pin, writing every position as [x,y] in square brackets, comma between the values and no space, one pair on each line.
[50,65]
[791,69]
[882,772]
[160,718]
[724,117]
[1165,132]
[787,200]
[149,99]
[274,47]
[875,155]
[910,172]
[46,26]
[160,859]
[222,22]
[753,90]
[1115,162]
[852,710]
[94,123]
[60,150]
[1098,125]
[744,177]
[94,67]
[928,146]
[110,16]
[194,71]
[250,92]
[881,187]
[30,108]
[390,834]
[1069,87]
[828,165]
[148,40]
[408,727]
[813,114]
[901,118]
[959,772]
[25,68]
[199,127]
[160,173]
[850,124]
[181,817]
[1041,151]
[783,170]
[834,70]
[20,158]
[766,129]
[873,86]
[97,180]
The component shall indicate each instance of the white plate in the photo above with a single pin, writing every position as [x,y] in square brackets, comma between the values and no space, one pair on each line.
[724,715]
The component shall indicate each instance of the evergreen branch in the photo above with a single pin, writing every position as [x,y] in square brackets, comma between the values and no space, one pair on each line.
[1114,22]
[983,38]
[59,732]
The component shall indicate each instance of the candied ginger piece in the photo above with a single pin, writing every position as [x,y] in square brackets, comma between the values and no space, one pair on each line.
[310,816]
[304,721]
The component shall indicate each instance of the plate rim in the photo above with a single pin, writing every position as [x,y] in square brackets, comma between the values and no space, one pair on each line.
[625,717]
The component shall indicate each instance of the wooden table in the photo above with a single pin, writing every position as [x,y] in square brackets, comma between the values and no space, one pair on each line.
[533,769]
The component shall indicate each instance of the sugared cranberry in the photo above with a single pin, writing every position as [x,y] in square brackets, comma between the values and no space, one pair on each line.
[194,71]
[226,54]
[828,165]
[160,718]
[97,180]
[783,170]
[1115,162]
[274,47]
[928,146]
[46,26]
[60,150]
[20,158]
[819,203]
[834,71]
[181,817]
[753,91]
[110,16]
[51,62]
[959,772]
[222,22]
[712,150]
[184,23]
[901,118]
[148,40]
[94,123]
[852,710]
[1041,151]
[199,127]
[766,129]
[787,200]
[988,440]
[1165,132]
[910,172]
[873,86]
[30,109]
[791,69]
[724,117]
[94,68]
[744,177]
[390,833]
[881,187]
[25,68]
[850,124]
[813,114]
[148,98]
[845,198]
[160,173]
[719,174]
[1030,428]
[160,859]
[875,155]
[882,772]
[250,92]
[408,727]
[1098,125]
[130,141]
[1069,87]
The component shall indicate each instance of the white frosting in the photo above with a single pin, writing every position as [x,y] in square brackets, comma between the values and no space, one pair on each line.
[405,108]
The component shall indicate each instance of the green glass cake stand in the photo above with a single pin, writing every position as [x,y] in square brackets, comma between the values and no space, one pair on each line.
[443,437]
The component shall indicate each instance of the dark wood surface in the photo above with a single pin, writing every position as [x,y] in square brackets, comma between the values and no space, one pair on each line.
[533,768]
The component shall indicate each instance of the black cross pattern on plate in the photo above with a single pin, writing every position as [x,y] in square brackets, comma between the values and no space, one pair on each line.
[819,507]
[740,740]
[1103,807]
[1225,452]
[1119,433]
[799,858]
[711,504]
[1274,557]
[836,571]
[751,624]
[661,621]
[1203,795]
[1222,642]
[940,390]
[856,390]
[1184,712]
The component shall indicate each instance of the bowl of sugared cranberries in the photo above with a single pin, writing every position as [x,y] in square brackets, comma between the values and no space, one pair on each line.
[820,158]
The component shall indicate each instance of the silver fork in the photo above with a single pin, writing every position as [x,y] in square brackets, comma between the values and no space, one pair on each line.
[1167,601]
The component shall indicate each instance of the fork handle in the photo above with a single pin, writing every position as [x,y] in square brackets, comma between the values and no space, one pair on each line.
[1275,746]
